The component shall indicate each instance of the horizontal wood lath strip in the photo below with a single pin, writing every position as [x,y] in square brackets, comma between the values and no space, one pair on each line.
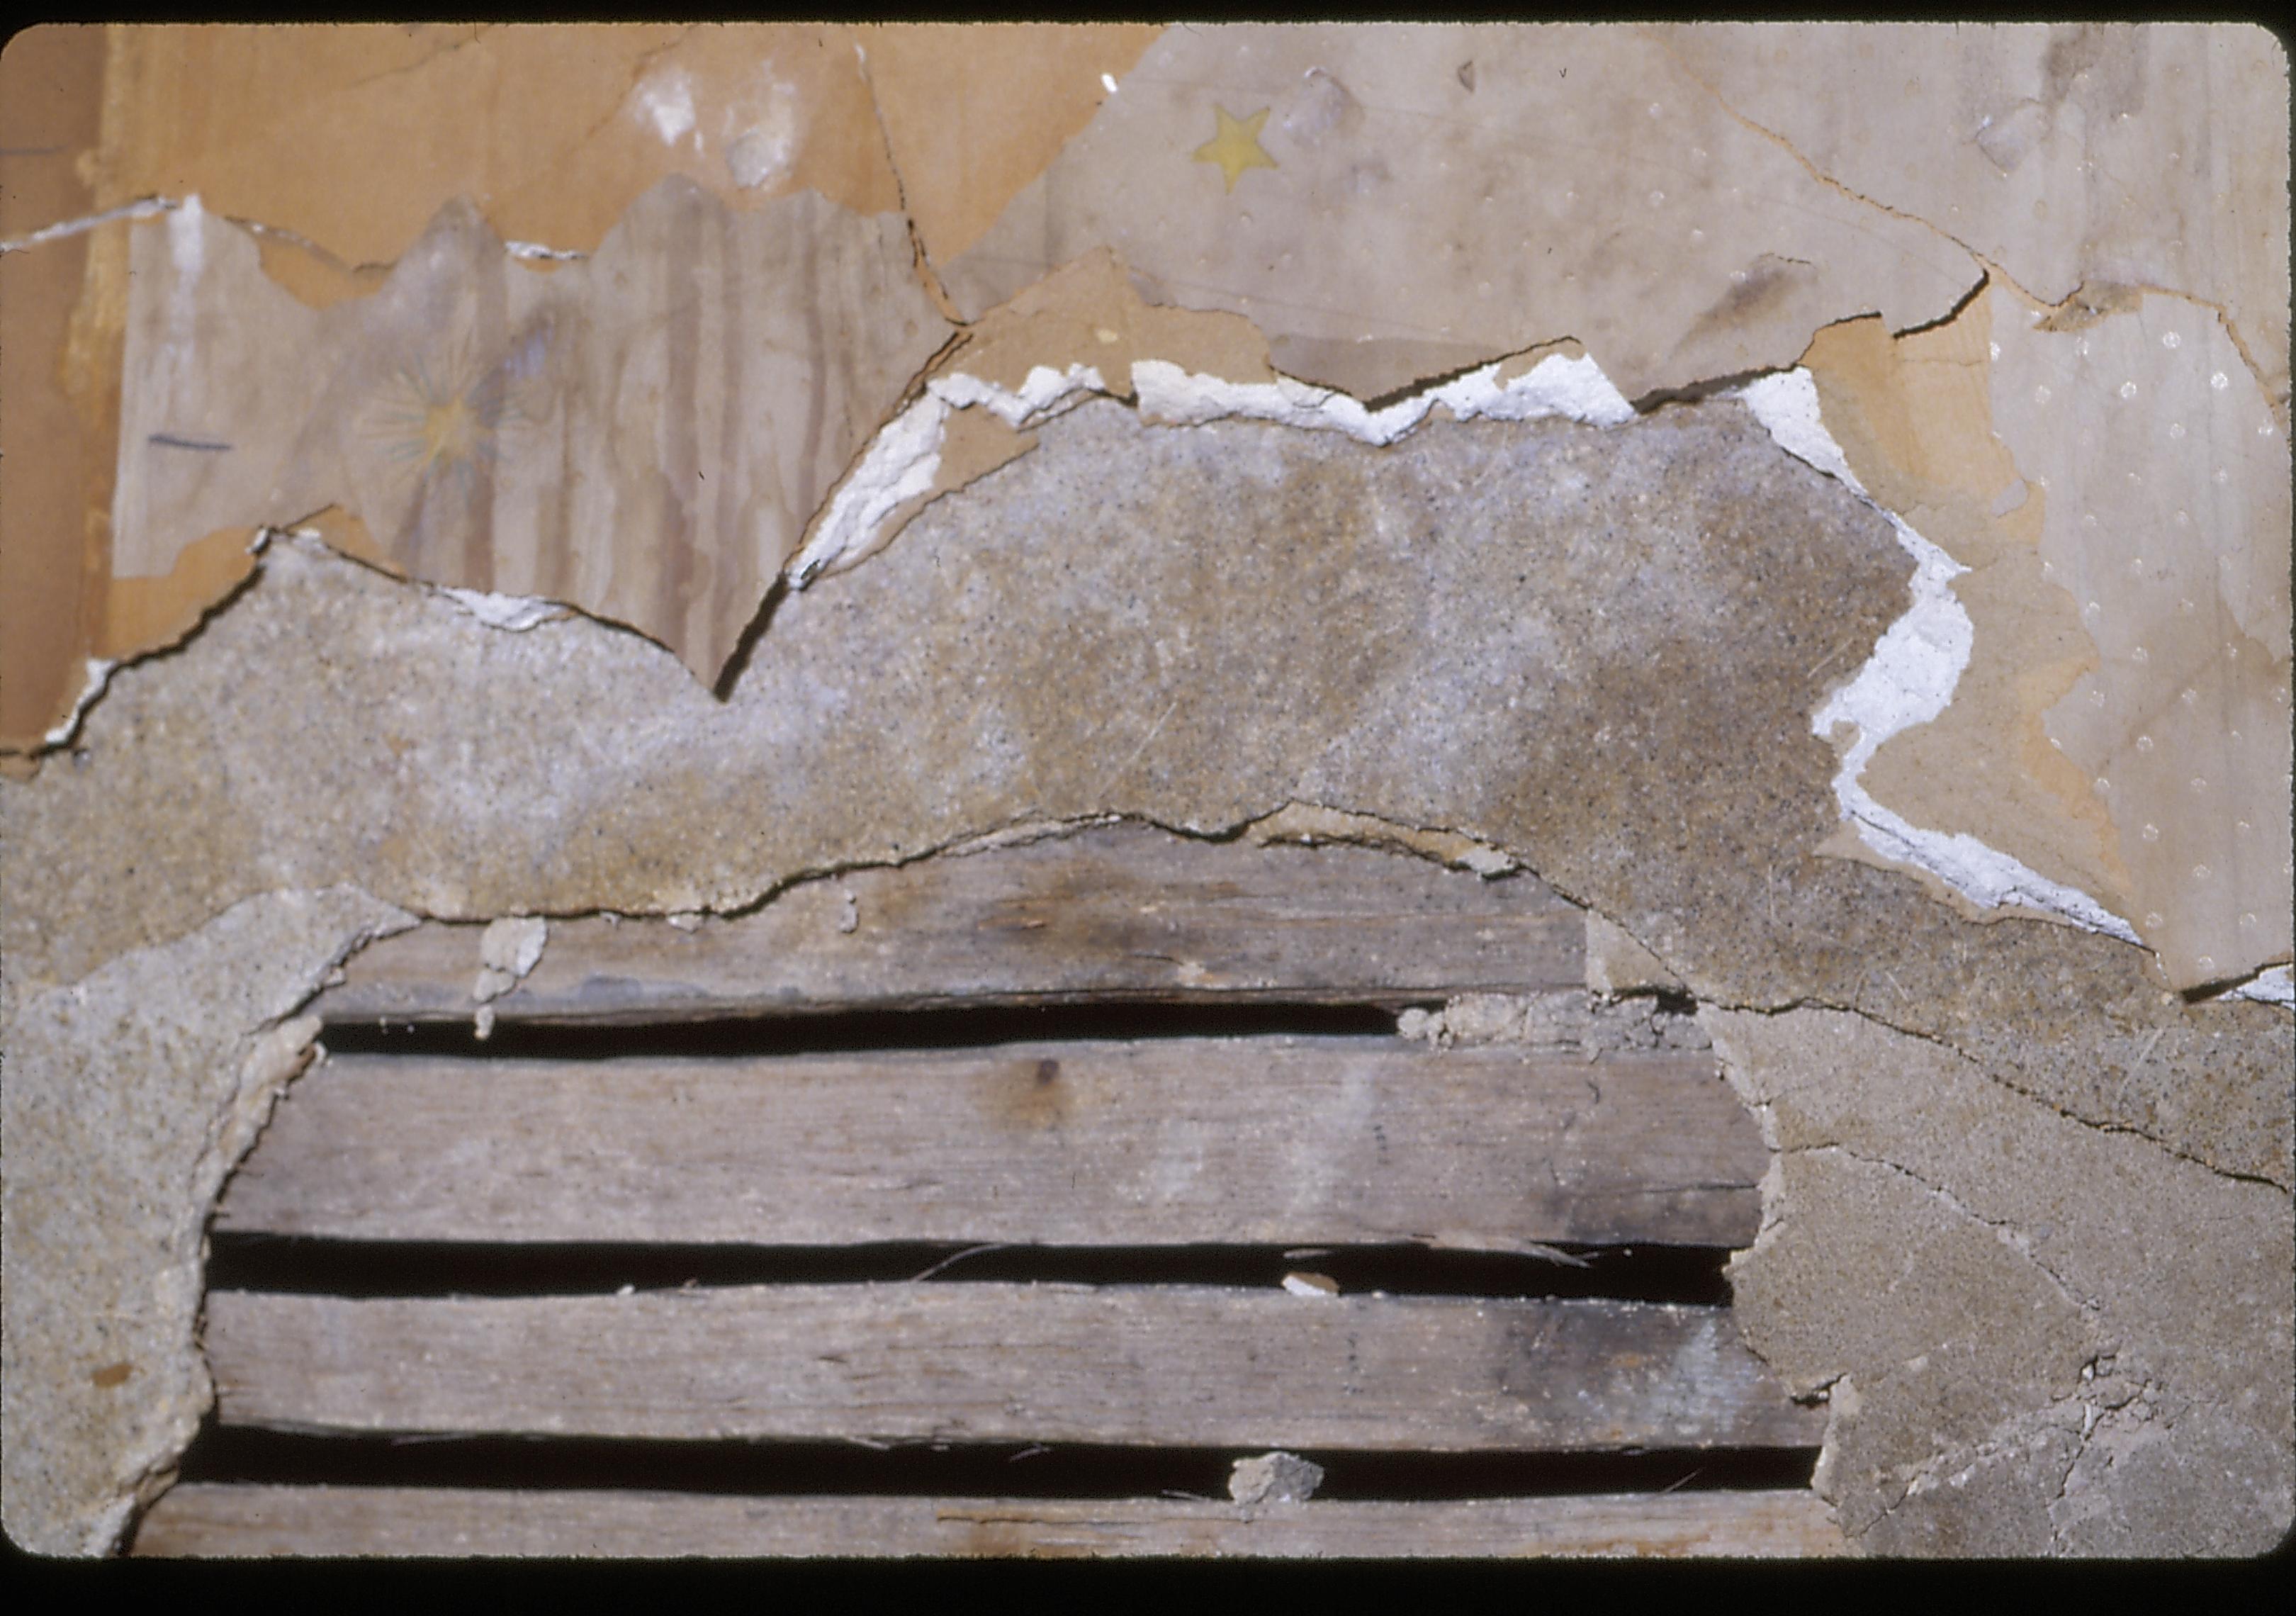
[985,1361]
[1290,1142]
[226,1521]
[1119,911]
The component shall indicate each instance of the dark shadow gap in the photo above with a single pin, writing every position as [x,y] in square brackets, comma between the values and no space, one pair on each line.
[1688,1275]
[971,1027]
[242,1455]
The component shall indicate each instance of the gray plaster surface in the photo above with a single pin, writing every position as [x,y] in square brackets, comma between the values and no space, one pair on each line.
[1596,650]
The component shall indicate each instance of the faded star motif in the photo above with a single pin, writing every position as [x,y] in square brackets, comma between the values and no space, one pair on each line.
[1236,146]
[443,417]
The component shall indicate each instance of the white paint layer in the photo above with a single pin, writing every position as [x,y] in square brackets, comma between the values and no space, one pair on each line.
[905,456]
[80,226]
[98,676]
[1909,681]
[1556,386]
[763,154]
[1045,393]
[2277,986]
[532,251]
[186,245]
[514,612]
[899,465]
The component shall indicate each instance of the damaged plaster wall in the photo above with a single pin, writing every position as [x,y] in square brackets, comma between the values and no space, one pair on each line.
[132,1092]
[516,401]
[1576,612]
[1436,633]
[2085,1320]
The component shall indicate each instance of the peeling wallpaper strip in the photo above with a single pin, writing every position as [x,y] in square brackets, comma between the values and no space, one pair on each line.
[642,434]
[1909,681]
[1359,229]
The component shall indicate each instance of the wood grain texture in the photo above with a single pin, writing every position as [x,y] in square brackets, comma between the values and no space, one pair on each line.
[1280,1141]
[1166,1366]
[209,1520]
[1117,912]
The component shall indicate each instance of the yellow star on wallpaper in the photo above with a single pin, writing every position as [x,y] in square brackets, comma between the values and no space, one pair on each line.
[1236,146]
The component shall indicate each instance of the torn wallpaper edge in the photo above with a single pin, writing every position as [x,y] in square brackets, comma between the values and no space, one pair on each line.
[901,461]
[1908,680]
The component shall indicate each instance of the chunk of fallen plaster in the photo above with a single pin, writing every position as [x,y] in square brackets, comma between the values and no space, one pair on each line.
[1274,1478]
[1317,1286]
[1564,1021]
[508,949]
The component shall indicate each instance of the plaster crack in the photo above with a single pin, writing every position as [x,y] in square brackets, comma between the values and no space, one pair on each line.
[478,32]
[920,261]
[2007,1232]
[2086,304]
[1791,150]
[1940,1041]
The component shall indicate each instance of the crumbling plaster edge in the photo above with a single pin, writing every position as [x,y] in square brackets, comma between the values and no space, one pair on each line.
[282,1044]
[275,1048]
[1908,679]
[901,463]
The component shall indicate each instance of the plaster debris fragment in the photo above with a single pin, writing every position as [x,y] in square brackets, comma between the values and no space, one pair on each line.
[849,912]
[1565,1020]
[1315,1286]
[1274,1478]
[1907,681]
[1307,824]
[508,949]
[514,613]
[1618,964]
[2273,987]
